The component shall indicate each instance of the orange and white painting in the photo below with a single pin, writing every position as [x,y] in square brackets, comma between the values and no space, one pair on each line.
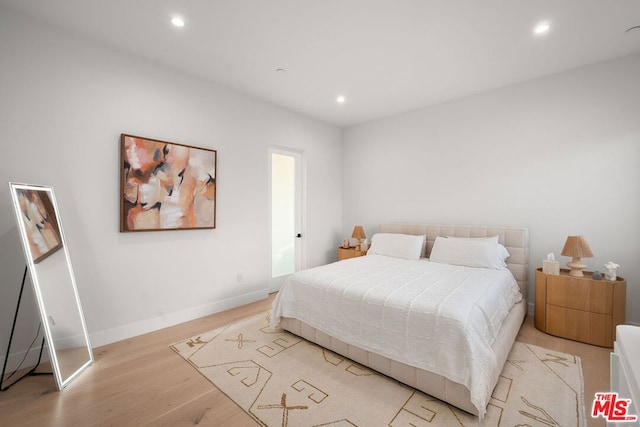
[40,225]
[166,186]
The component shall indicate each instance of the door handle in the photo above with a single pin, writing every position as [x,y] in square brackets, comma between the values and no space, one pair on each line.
[298,235]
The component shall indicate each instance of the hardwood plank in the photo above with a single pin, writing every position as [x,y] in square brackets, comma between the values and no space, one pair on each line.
[210,409]
[141,381]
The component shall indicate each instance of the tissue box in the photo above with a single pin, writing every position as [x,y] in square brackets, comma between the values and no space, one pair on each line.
[551,267]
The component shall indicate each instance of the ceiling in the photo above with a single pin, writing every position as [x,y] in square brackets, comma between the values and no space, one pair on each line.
[384,56]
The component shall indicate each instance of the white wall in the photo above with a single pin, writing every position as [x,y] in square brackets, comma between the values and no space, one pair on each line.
[559,155]
[64,102]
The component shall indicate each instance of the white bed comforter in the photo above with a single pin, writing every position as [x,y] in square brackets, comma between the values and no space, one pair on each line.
[437,317]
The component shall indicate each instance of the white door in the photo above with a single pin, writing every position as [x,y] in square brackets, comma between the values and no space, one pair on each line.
[287,237]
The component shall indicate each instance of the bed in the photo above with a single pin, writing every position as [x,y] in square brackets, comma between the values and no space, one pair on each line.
[458,367]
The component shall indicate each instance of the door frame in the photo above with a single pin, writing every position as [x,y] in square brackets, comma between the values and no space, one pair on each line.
[300,243]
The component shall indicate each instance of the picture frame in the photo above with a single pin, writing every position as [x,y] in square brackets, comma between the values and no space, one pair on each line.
[38,220]
[166,185]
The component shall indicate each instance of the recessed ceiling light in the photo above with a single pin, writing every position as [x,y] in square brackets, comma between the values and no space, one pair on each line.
[541,28]
[280,70]
[177,21]
[341,99]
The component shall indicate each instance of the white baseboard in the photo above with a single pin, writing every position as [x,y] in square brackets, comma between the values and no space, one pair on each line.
[30,360]
[120,333]
[530,309]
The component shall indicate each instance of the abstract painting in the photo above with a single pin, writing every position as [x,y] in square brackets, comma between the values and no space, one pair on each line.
[39,221]
[166,186]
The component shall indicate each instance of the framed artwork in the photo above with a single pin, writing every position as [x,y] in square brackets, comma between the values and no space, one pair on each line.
[165,185]
[38,220]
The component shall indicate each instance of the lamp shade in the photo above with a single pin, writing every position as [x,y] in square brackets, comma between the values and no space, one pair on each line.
[576,247]
[358,232]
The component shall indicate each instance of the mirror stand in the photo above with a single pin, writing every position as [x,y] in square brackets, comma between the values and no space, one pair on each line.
[31,371]
[47,257]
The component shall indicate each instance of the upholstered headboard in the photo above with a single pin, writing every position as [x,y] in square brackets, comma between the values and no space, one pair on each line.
[515,239]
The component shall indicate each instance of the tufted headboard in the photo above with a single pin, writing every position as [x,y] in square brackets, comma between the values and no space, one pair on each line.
[515,239]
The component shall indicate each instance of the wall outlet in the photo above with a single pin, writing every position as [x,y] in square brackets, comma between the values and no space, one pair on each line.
[238,277]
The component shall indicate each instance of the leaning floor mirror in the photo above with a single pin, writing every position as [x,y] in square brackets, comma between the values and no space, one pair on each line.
[47,256]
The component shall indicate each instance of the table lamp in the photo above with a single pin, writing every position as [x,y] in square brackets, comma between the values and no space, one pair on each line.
[358,234]
[576,247]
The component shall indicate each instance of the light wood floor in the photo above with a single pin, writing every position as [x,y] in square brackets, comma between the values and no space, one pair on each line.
[141,381]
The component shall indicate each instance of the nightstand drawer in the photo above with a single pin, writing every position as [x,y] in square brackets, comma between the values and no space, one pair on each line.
[580,294]
[592,328]
[346,253]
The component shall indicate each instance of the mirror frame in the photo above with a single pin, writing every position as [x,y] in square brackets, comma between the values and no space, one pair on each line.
[32,259]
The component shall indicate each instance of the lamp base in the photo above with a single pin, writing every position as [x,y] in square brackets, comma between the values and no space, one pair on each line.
[576,267]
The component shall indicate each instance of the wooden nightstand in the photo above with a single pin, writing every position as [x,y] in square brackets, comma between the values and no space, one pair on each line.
[344,253]
[579,308]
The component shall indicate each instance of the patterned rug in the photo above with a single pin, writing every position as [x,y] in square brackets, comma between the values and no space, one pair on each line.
[283,380]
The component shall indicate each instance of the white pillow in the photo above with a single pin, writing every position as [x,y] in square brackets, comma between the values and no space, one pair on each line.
[469,252]
[397,245]
[503,253]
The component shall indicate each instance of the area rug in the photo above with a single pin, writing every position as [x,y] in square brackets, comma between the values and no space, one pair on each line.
[282,380]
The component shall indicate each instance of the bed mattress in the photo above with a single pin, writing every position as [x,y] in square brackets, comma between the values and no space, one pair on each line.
[436,318]
[432,384]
